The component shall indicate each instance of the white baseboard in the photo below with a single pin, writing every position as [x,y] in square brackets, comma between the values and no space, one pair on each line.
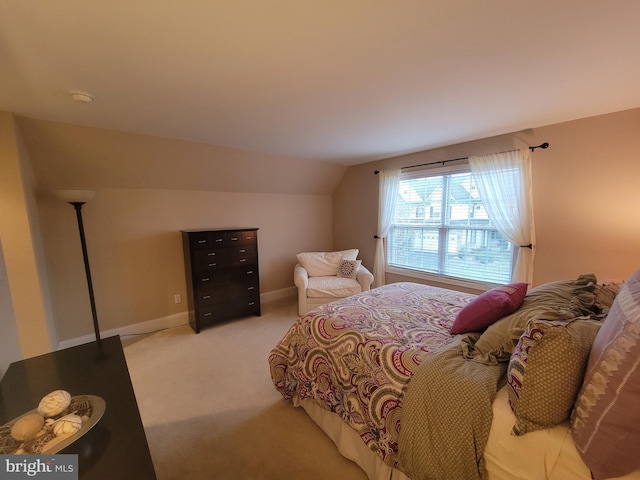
[274,295]
[175,320]
[170,321]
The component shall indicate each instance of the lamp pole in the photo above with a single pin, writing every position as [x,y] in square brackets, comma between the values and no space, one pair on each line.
[78,207]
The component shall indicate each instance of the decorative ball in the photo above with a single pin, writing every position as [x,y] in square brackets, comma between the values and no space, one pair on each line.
[54,403]
[67,425]
[27,427]
[81,406]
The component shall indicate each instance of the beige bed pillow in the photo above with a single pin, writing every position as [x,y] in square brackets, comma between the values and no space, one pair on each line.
[554,301]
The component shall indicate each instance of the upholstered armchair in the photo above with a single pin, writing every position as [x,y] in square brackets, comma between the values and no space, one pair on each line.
[322,277]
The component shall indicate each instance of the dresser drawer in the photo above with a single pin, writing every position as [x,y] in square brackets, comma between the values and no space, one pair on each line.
[249,237]
[206,240]
[244,255]
[230,290]
[200,240]
[218,239]
[205,297]
[206,259]
[227,279]
[204,280]
[250,273]
[233,238]
[229,309]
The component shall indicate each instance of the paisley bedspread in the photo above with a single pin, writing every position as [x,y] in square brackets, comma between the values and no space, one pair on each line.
[356,356]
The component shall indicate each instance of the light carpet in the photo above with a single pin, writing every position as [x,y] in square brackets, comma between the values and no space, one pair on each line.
[210,410]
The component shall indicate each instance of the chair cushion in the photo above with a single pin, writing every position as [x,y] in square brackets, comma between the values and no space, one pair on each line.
[320,264]
[331,286]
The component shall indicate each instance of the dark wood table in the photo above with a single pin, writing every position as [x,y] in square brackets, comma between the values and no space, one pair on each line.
[116,447]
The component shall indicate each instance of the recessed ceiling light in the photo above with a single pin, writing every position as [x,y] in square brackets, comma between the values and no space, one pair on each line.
[81,97]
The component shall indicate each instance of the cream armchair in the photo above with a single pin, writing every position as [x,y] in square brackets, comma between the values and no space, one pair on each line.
[322,277]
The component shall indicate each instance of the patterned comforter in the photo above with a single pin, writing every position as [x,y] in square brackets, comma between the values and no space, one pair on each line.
[356,356]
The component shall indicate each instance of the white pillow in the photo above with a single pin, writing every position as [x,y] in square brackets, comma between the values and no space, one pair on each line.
[324,264]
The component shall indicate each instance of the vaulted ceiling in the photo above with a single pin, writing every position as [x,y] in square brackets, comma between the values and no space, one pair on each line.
[344,81]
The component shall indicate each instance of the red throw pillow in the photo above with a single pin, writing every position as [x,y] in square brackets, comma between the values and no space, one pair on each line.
[489,307]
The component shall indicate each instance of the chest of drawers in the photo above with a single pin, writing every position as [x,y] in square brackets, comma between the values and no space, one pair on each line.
[222,274]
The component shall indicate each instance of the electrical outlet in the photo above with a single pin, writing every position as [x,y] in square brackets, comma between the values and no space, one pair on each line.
[177,298]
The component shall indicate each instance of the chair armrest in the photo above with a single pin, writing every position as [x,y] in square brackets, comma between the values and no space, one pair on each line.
[300,277]
[365,278]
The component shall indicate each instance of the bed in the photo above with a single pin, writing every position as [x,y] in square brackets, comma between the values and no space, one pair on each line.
[385,378]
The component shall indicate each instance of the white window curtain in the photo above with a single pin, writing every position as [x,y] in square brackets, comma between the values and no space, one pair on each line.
[504,185]
[389,181]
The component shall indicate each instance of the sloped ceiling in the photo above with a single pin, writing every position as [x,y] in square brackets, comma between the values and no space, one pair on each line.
[344,81]
[71,156]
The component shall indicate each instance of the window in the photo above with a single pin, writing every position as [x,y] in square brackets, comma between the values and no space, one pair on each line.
[441,227]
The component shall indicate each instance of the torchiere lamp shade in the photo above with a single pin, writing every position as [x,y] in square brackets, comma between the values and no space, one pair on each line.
[75,196]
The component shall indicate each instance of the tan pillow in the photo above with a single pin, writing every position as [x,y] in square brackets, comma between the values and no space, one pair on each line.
[546,371]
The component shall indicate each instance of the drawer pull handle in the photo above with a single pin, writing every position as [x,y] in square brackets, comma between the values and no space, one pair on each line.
[250,272]
[243,260]
[205,279]
[242,250]
[212,264]
[206,297]
[211,254]
[218,239]
[208,314]
[202,241]
[250,288]
[251,304]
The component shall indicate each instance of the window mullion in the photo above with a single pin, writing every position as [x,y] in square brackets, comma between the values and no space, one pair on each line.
[444,221]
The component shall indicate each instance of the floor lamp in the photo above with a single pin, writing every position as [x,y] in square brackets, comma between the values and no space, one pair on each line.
[77,198]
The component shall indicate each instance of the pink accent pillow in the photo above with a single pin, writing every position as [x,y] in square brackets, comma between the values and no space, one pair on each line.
[489,307]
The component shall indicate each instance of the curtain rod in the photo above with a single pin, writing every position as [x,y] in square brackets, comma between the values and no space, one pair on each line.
[442,162]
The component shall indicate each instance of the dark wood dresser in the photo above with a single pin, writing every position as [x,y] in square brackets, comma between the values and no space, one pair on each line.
[222,274]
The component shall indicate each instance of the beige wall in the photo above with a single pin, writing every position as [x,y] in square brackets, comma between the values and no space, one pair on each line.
[66,156]
[585,196]
[135,248]
[27,327]
[148,189]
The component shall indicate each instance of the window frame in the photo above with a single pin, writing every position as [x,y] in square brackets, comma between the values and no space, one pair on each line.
[419,172]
